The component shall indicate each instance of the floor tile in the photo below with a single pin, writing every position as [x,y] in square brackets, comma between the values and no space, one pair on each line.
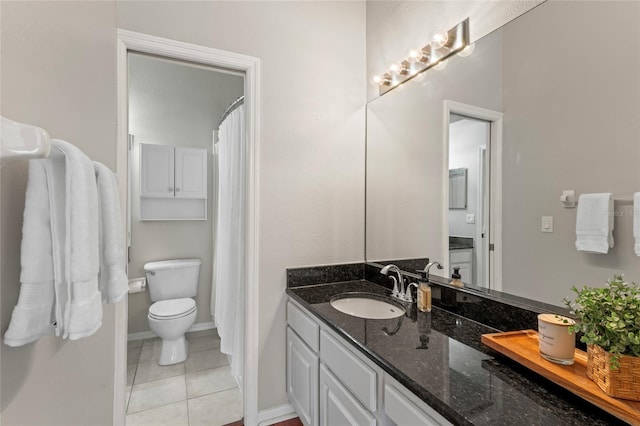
[175,414]
[203,343]
[131,372]
[156,394]
[133,355]
[209,381]
[150,371]
[205,360]
[151,350]
[135,343]
[215,409]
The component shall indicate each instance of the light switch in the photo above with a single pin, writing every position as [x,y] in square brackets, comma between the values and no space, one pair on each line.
[471,218]
[547,223]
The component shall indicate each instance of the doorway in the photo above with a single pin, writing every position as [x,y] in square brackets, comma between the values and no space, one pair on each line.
[473,152]
[175,57]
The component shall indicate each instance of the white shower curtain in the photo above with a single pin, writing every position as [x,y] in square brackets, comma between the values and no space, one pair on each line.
[229,237]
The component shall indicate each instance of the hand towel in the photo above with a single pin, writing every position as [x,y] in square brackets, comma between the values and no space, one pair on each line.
[33,315]
[82,312]
[636,221]
[113,278]
[594,223]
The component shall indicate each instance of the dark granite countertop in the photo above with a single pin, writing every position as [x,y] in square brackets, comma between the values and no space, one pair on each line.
[439,357]
[460,243]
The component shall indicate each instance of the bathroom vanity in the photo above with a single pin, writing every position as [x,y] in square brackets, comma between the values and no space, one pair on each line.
[418,369]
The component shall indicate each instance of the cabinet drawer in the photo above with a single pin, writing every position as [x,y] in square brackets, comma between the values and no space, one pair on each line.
[402,412]
[460,256]
[337,406]
[306,328]
[358,377]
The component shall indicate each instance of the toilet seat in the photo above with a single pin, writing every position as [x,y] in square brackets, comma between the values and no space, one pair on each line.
[172,309]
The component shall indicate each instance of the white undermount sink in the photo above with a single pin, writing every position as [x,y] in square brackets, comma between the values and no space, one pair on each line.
[366,307]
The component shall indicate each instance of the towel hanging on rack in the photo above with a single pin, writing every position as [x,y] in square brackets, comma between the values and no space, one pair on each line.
[60,253]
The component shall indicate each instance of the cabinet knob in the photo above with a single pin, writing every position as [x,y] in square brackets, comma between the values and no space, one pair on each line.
[177,189]
[171,188]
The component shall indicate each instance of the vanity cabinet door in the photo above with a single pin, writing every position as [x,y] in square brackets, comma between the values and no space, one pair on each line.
[156,171]
[337,406]
[302,379]
[191,173]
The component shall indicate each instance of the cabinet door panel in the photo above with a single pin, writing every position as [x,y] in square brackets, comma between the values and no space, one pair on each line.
[302,378]
[156,171]
[337,406]
[191,173]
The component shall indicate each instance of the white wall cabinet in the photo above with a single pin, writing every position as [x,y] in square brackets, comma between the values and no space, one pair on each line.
[173,183]
[340,386]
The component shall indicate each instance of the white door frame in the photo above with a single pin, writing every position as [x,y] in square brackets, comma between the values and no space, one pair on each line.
[495,191]
[250,66]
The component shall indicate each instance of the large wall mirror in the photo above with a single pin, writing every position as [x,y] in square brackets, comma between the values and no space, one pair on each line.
[547,103]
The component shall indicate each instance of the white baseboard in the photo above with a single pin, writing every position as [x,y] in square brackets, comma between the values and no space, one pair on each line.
[276,414]
[150,334]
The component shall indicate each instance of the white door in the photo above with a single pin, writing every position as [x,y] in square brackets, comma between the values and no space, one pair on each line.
[191,173]
[337,406]
[156,171]
[302,379]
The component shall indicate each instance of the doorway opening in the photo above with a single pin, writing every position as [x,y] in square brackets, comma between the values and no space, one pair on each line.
[177,104]
[473,151]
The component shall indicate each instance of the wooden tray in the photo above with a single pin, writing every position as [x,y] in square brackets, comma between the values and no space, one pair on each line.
[522,347]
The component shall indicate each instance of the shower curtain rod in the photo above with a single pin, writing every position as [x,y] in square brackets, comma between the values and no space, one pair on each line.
[235,104]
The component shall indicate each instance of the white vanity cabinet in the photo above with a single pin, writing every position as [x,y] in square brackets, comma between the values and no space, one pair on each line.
[173,183]
[330,383]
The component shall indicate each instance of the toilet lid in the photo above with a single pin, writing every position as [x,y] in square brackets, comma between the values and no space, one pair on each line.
[172,308]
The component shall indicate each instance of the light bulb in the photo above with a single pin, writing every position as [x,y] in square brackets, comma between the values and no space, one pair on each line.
[376,80]
[394,68]
[468,50]
[414,54]
[439,39]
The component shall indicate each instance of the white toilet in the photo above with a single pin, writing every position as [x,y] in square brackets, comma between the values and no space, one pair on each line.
[172,284]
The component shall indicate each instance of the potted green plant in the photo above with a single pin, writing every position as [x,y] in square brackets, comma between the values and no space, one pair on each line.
[609,320]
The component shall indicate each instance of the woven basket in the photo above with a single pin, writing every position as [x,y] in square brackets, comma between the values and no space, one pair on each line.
[623,382]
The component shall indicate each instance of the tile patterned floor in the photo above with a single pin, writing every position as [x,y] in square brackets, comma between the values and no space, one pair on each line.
[198,392]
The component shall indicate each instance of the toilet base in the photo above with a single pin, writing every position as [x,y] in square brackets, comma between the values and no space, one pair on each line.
[174,351]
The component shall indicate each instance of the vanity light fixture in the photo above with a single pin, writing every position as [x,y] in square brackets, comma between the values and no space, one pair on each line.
[441,46]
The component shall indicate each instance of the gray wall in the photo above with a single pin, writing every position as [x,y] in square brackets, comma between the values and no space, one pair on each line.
[311,171]
[569,130]
[59,74]
[179,105]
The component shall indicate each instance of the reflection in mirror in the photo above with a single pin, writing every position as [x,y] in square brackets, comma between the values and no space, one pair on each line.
[565,118]
[458,189]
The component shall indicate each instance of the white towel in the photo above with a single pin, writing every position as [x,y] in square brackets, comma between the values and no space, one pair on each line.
[594,223]
[83,310]
[59,255]
[33,315]
[114,284]
[636,221]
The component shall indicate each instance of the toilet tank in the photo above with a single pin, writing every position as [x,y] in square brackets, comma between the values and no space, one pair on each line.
[173,279]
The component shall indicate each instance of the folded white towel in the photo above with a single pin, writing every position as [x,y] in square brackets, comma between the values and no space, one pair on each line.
[636,221]
[594,223]
[113,278]
[83,309]
[33,315]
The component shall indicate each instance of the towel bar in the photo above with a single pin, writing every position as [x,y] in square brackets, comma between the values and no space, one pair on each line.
[19,141]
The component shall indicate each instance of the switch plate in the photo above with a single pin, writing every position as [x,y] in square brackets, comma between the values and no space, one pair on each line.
[547,224]
[471,218]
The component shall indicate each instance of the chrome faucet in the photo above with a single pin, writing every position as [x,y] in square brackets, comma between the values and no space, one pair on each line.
[429,265]
[394,268]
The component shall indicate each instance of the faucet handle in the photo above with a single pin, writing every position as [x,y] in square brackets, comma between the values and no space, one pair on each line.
[407,293]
